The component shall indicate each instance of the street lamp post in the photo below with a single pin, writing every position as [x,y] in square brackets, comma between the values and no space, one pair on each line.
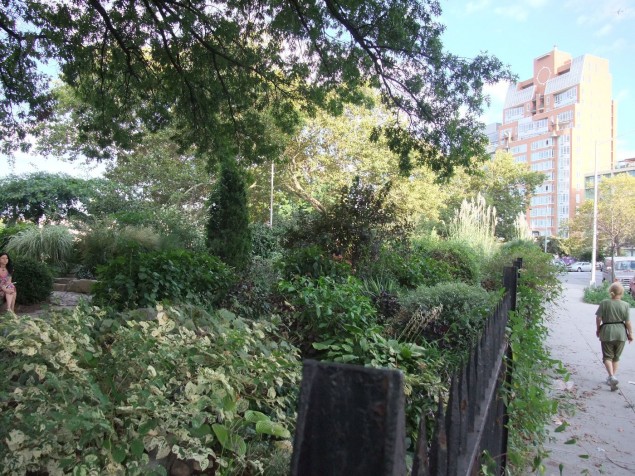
[595,216]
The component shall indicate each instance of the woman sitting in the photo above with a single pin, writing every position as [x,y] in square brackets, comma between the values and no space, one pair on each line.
[7,288]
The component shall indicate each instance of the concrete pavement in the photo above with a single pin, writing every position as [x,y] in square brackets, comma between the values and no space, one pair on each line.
[603,423]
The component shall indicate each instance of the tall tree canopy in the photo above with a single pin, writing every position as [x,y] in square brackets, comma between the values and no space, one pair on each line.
[47,197]
[615,219]
[229,75]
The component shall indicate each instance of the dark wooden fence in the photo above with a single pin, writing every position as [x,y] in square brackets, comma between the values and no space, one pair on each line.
[351,419]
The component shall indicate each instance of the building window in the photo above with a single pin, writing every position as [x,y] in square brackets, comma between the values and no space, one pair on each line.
[539,144]
[522,148]
[543,154]
[565,97]
[513,113]
[566,116]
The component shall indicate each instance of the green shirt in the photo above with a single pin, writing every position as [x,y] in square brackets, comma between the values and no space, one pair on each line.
[613,310]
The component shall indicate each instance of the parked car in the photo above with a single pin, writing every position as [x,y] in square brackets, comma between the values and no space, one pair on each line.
[580,266]
[631,287]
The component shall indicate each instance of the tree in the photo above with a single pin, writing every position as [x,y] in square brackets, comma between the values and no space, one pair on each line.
[329,152]
[227,229]
[615,217]
[505,185]
[47,197]
[229,76]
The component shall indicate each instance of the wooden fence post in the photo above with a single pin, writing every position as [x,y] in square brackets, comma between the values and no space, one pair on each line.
[351,421]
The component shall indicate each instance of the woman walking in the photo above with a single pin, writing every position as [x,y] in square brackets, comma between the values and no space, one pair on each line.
[613,329]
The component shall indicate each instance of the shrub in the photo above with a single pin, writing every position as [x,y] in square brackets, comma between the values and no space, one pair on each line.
[34,280]
[596,294]
[313,262]
[325,308]
[52,244]
[255,294]
[448,261]
[188,386]
[265,241]
[142,279]
[461,312]
[99,245]
[8,231]
[539,272]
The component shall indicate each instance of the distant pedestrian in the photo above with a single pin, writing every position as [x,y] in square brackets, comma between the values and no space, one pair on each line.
[613,329]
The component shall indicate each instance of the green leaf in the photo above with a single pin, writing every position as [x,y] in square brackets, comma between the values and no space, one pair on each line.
[572,441]
[230,441]
[201,431]
[272,428]
[137,448]
[144,428]
[253,416]
[584,456]
[119,454]
[562,427]
[222,434]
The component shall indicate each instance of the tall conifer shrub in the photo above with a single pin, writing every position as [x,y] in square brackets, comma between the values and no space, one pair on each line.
[228,235]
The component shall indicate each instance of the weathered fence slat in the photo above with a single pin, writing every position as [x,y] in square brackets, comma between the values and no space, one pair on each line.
[351,421]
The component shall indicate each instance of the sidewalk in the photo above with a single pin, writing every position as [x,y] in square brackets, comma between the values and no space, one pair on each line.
[603,425]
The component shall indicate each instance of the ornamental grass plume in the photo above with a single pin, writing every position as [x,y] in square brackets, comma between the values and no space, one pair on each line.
[474,224]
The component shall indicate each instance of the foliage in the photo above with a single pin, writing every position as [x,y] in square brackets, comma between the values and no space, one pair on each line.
[52,244]
[102,242]
[474,224]
[539,272]
[41,196]
[7,231]
[615,217]
[313,262]
[143,279]
[325,308]
[596,294]
[34,280]
[265,240]
[530,405]
[255,294]
[356,225]
[450,261]
[198,388]
[507,186]
[231,84]
[228,234]
[329,151]
[461,313]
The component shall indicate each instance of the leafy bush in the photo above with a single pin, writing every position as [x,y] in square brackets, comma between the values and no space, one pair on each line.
[143,279]
[100,244]
[265,241]
[52,244]
[596,294]
[34,280]
[460,319]
[313,262]
[538,271]
[443,261]
[324,308]
[188,388]
[255,293]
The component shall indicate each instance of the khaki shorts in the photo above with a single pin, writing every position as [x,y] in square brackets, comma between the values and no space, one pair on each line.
[612,350]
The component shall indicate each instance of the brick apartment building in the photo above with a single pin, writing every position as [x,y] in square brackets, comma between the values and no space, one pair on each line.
[560,122]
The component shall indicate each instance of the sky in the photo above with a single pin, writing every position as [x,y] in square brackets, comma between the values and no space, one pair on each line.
[515,31]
